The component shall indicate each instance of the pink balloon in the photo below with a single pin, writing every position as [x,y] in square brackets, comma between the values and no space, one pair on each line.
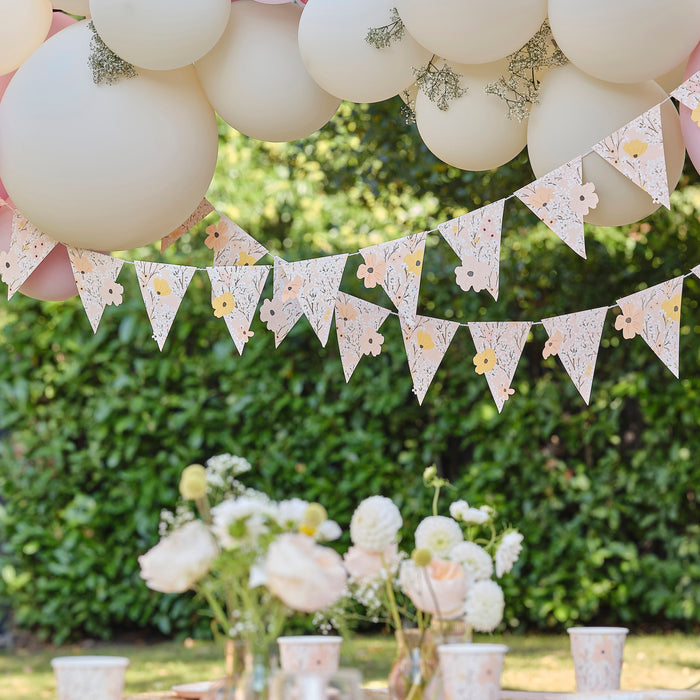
[690,128]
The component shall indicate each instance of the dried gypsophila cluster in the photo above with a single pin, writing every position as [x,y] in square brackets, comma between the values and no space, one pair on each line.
[439,83]
[520,89]
[408,108]
[107,68]
[383,37]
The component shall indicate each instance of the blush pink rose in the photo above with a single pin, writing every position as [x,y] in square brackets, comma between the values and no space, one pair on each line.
[439,588]
[364,566]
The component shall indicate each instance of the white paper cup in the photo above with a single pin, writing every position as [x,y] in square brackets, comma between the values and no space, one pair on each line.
[471,671]
[310,653]
[597,653]
[93,677]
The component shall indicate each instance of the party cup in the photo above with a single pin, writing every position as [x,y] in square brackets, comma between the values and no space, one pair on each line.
[320,654]
[597,653]
[471,671]
[93,677]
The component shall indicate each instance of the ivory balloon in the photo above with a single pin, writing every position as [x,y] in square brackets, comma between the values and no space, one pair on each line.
[690,121]
[107,167]
[75,7]
[574,113]
[472,31]
[24,24]
[474,133]
[255,78]
[333,47]
[625,41]
[672,79]
[160,34]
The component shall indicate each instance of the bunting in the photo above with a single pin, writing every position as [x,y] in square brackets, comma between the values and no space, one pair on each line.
[689,92]
[357,324]
[575,339]
[203,210]
[696,271]
[476,239]
[637,151]
[235,294]
[163,287]
[232,245]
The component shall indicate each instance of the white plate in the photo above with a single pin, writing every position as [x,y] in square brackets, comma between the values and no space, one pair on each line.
[192,691]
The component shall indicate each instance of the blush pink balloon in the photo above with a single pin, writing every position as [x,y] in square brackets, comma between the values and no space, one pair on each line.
[690,127]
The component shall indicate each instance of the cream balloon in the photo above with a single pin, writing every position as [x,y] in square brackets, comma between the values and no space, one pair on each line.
[672,79]
[574,113]
[107,167]
[474,133]
[75,7]
[625,41]
[255,78]
[333,47]
[24,25]
[472,31]
[160,34]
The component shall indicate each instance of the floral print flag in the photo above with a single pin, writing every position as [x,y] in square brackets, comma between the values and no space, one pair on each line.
[163,287]
[28,248]
[561,200]
[575,339]
[476,238]
[688,92]
[396,266]
[655,314]
[696,271]
[499,346]
[235,293]
[96,278]
[203,210]
[357,323]
[426,341]
[232,245]
[637,151]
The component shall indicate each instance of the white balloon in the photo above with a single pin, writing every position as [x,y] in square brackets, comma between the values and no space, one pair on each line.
[255,78]
[333,47]
[160,34]
[107,167]
[75,7]
[574,113]
[625,41]
[472,31]
[24,25]
[672,79]
[474,133]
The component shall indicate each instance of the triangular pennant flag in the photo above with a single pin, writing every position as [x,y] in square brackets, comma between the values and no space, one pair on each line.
[561,200]
[655,314]
[476,239]
[637,151]
[396,266]
[235,294]
[688,92]
[282,311]
[232,245]
[162,287]
[95,276]
[575,339]
[204,209]
[426,341]
[28,248]
[696,271]
[357,322]
[499,346]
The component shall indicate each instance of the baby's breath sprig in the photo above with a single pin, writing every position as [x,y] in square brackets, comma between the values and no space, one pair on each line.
[107,68]
[383,37]
[439,83]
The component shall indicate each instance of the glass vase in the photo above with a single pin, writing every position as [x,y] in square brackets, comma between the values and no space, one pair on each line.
[254,683]
[238,662]
[416,661]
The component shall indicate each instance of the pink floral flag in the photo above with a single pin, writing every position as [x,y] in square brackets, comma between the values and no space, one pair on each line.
[499,346]
[696,271]
[637,151]
[235,294]
[28,248]
[396,266]
[688,92]
[357,323]
[163,287]
[476,238]
[426,341]
[232,245]
[655,314]
[96,278]
[203,210]
[575,339]
[561,200]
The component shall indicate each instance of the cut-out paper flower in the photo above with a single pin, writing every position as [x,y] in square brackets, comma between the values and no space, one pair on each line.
[112,292]
[371,343]
[672,308]
[223,305]
[484,361]
[162,287]
[414,262]
[245,259]
[630,321]
[541,197]
[272,313]
[635,148]
[695,115]
[217,236]
[346,311]
[553,345]
[472,274]
[372,271]
[584,198]
[425,341]
[290,288]
[504,391]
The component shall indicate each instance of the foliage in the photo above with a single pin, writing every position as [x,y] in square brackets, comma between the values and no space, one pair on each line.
[97,428]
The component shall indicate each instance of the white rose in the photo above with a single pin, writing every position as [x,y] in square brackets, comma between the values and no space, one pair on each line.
[508,552]
[438,534]
[375,524]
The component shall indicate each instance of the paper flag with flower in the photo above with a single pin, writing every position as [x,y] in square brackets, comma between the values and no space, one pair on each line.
[235,294]
[357,323]
[575,340]
[476,239]
[96,278]
[426,341]
[203,209]
[232,245]
[696,271]
[397,267]
[637,151]
[655,314]
[561,200]
[499,346]
[688,92]
[163,287]
[28,248]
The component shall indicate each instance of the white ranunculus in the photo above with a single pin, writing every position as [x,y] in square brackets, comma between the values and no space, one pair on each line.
[375,524]
[439,535]
[178,561]
[508,552]
[459,509]
[247,514]
[476,516]
[484,606]
[476,561]
[290,513]
[328,531]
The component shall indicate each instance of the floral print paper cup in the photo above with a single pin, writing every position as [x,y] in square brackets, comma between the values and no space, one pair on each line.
[597,653]
[471,671]
[309,653]
[94,677]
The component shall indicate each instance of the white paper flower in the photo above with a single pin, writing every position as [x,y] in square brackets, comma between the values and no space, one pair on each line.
[239,520]
[484,606]
[476,561]
[508,552]
[459,509]
[438,534]
[375,524]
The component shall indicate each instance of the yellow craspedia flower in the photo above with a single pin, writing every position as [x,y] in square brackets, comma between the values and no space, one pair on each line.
[314,516]
[245,259]
[424,340]
[695,115]
[484,361]
[161,286]
[193,482]
[421,557]
[635,148]
[672,308]
[414,262]
[223,305]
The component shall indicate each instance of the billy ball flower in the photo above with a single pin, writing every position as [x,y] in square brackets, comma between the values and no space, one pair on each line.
[438,534]
[483,609]
[193,482]
[476,560]
[375,524]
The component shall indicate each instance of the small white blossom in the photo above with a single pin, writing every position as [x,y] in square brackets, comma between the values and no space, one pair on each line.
[290,513]
[508,552]
[484,606]
[476,516]
[240,511]
[328,531]
[459,509]
[221,464]
[438,534]
[375,524]
[476,561]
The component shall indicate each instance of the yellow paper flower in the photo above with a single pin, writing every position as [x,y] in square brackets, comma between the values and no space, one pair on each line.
[672,308]
[162,287]
[484,361]
[245,259]
[414,262]
[223,305]
[425,342]
[193,482]
[635,148]
[695,115]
